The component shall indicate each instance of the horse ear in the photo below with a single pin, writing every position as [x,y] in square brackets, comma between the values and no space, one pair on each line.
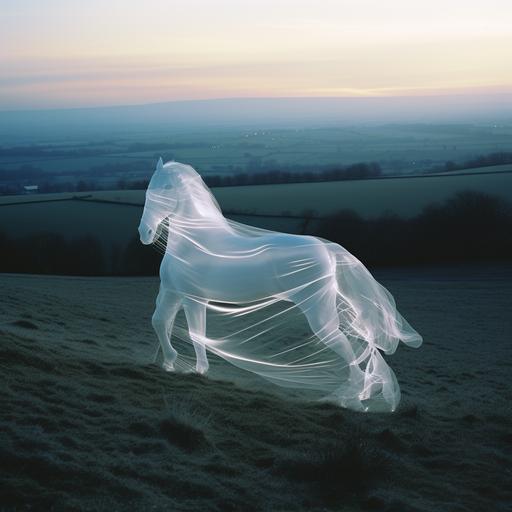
[160,164]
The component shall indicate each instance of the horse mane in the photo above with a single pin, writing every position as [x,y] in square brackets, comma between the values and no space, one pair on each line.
[192,186]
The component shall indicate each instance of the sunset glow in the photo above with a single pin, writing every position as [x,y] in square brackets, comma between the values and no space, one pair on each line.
[60,53]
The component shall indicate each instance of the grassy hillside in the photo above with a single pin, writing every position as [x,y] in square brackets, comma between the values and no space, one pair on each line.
[90,423]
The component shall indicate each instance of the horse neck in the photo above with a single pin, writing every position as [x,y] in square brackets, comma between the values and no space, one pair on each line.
[200,216]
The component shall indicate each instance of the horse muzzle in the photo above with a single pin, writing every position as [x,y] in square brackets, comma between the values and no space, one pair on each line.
[146,234]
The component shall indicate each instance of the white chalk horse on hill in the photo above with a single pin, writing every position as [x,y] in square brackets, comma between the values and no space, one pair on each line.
[210,260]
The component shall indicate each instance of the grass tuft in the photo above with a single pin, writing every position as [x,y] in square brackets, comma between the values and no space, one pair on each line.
[336,471]
[25,324]
[184,428]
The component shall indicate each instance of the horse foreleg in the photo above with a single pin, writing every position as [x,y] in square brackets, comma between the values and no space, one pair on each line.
[167,306]
[196,320]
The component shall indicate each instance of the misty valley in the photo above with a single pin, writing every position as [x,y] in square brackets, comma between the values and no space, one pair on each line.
[53,162]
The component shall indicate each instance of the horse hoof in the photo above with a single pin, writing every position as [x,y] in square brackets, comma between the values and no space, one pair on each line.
[168,367]
[354,404]
[202,370]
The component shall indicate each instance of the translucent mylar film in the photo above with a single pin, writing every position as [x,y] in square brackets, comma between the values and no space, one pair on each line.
[297,310]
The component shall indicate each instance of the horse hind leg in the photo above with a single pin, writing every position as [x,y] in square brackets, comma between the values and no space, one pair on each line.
[167,306]
[195,313]
[322,315]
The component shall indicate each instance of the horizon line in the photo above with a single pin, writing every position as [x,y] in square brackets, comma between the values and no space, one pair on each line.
[259,98]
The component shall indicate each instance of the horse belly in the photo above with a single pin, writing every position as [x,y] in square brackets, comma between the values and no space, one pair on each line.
[240,283]
[227,280]
[291,262]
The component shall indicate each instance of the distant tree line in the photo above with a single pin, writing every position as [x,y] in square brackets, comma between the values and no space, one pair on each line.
[131,175]
[469,227]
[350,172]
[489,160]
[49,253]
[12,180]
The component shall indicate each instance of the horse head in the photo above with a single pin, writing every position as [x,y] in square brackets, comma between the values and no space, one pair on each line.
[161,201]
[176,185]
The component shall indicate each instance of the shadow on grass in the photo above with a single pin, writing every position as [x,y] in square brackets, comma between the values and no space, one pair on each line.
[338,471]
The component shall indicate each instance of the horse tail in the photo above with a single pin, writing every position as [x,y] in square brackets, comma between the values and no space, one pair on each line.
[369,318]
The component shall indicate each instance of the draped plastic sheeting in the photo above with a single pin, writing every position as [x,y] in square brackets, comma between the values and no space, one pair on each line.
[297,310]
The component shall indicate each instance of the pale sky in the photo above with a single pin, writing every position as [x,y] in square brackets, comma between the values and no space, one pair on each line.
[74,53]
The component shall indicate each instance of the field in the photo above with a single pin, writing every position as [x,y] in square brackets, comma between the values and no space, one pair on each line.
[89,422]
[403,196]
[397,148]
[113,216]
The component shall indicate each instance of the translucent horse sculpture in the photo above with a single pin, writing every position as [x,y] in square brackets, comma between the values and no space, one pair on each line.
[297,310]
